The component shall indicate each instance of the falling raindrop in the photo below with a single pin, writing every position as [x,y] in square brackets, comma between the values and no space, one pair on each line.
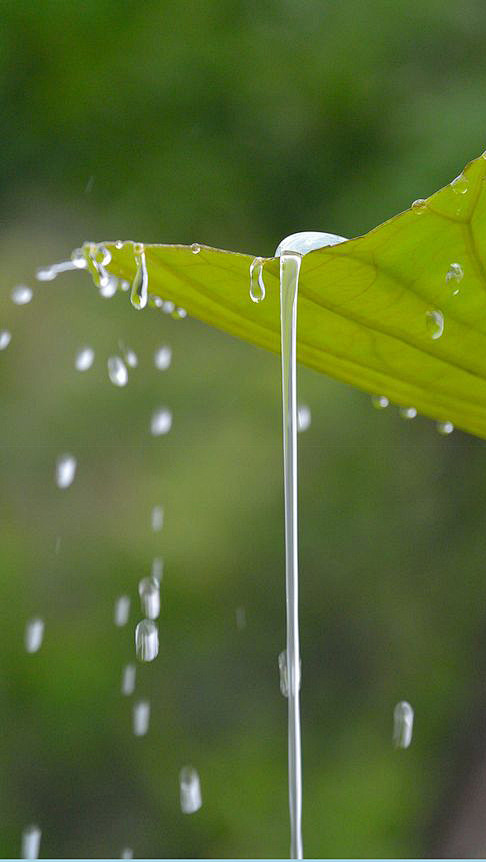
[460,185]
[419,206]
[407,412]
[304,418]
[241,618]
[5,338]
[129,676]
[445,428]
[131,358]
[157,518]
[141,717]
[127,853]
[117,371]
[283,673]
[402,724]
[257,286]
[190,790]
[121,611]
[31,839]
[157,568]
[84,359]
[34,635]
[57,546]
[161,422]
[379,402]
[65,470]
[146,640]
[434,322]
[149,592]
[139,291]
[195,248]
[21,294]
[163,358]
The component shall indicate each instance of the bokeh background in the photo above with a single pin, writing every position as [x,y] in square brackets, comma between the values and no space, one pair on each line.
[233,124]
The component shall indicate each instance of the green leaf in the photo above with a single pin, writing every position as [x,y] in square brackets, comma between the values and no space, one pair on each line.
[370,308]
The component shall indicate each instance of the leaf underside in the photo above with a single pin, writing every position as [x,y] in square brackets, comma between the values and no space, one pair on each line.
[363,304]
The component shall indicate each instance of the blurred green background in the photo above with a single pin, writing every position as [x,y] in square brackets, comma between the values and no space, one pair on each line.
[233,124]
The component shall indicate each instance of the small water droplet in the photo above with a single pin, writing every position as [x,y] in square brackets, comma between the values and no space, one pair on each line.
[119,244]
[146,640]
[179,314]
[157,518]
[407,412]
[304,418]
[129,678]
[124,285]
[460,184]
[34,635]
[157,568]
[5,338]
[283,673]
[257,286]
[445,428]
[402,724]
[379,402]
[141,717]
[455,275]
[121,611]
[31,839]
[139,291]
[419,206]
[168,307]
[163,358]
[161,422]
[149,592]
[241,618]
[108,285]
[434,323]
[21,294]
[117,371]
[190,790]
[84,359]
[195,248]
[45,273]
[65,470]
[156,301]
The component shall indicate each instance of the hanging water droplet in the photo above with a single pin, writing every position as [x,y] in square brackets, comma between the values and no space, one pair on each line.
[21,294]
[127,853]
[283,673]
[5,338]
[31,839]
[163,358]
[65,470]
[190,790]
[379,402]
[149,592]
[108,285]
[45,273]
[141,717]
[78,259]
[434,323]
[157,518]
[304,418]
[419,206]
[195,248]
[402,724]
[129,677]
[445,428]
[117,371]
[156,301]
[257,286]
[161,422]
[407,412]
[168,307]
[49,273]
[241,618]
[157,568]
[84,359]
[179,314]
[121,611]
[34,635]
[139,291]
[460,184]
[119,244]
[146,640]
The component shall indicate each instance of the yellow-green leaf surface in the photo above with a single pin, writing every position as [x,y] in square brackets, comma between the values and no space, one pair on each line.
[364,305]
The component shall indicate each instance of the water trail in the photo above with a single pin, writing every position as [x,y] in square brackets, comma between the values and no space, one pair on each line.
[402,724]
[290,251]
